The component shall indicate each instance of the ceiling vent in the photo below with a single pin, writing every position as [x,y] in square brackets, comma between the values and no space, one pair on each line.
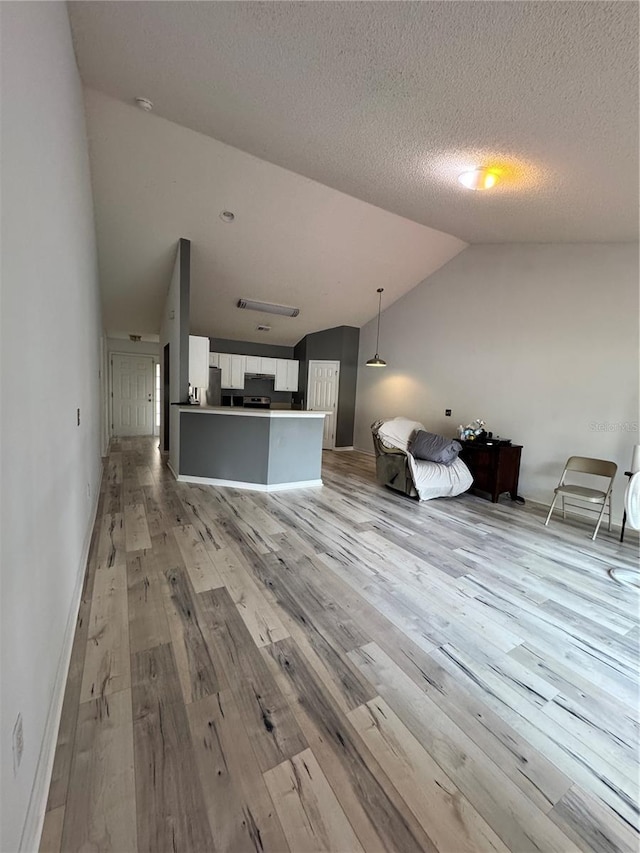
[268,307]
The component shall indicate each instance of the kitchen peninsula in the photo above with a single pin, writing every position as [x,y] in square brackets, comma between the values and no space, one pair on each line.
[266,450]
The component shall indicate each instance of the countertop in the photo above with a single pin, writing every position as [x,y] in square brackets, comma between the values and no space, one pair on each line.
[238,411]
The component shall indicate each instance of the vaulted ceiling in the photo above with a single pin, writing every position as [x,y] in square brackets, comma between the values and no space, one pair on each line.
[384,103]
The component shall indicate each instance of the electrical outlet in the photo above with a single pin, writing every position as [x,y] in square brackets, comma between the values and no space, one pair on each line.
[78,416]
[18,744]
[447,413]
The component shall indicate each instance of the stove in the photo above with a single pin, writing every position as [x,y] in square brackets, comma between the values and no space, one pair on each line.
[256,402]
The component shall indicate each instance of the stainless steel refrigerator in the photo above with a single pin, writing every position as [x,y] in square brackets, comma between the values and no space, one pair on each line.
[214,391]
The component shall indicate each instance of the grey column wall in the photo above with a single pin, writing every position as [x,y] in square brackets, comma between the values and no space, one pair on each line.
[185,322]
[175,332]
[342,345]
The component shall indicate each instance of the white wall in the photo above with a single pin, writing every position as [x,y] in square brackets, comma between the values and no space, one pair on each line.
[541,341]
[50,365]
[135,347]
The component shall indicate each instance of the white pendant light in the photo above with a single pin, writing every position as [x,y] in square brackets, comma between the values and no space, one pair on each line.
[376,361]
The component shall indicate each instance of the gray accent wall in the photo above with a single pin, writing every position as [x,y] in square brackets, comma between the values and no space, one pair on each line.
[294,449]
[175,332]
[265,451]
[250,348]
[185,308]
[224,447]
[340,344]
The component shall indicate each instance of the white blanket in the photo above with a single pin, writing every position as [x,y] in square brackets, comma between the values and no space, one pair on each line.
[433,480]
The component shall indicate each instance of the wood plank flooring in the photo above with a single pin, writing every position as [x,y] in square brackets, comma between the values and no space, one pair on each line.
[344,669]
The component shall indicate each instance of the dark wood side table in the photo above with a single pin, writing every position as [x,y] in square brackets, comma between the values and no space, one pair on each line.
[495,468]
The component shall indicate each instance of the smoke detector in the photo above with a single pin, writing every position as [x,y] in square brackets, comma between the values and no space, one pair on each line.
[144,104]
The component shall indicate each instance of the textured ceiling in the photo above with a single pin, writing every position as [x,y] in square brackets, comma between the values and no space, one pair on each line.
[388,102]
[294,241]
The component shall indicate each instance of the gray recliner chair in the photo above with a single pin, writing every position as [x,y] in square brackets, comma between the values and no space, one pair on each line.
[392,468]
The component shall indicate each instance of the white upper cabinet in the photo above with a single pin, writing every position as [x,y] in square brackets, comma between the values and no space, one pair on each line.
[237,371]
[293,371]
[199,361]
[253,364]
[233,369]
[286,375]
[268,366]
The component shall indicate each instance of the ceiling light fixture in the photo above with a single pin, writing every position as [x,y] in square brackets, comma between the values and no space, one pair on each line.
[227,216]
[268,307]
[144,104]
[376,361]
[481,178]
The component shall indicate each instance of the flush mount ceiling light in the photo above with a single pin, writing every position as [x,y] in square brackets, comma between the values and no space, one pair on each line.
[144,104]
[481,178]
[376,361]
[227,216]
[268,307]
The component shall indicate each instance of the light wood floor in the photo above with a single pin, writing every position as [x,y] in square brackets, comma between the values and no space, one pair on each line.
[343,669]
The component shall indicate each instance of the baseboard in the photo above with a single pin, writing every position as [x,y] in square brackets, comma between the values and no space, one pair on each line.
[363,450]
[343,448]
[616,526]
[170,467]
[34,820]
[254,487]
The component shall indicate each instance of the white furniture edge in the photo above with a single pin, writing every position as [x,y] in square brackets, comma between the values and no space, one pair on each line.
[343,448]
[239,484]
[253,413]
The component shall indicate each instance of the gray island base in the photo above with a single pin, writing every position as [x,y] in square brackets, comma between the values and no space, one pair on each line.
[252,449]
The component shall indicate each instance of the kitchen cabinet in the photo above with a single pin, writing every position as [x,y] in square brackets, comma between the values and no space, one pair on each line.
[286,375]
[268,366]
[233,369]
[253,364]
[198,361]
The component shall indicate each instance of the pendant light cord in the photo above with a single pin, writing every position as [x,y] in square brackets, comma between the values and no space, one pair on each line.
[380,289]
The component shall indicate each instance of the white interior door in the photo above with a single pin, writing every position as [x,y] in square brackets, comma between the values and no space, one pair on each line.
[322,395]
[132,395]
